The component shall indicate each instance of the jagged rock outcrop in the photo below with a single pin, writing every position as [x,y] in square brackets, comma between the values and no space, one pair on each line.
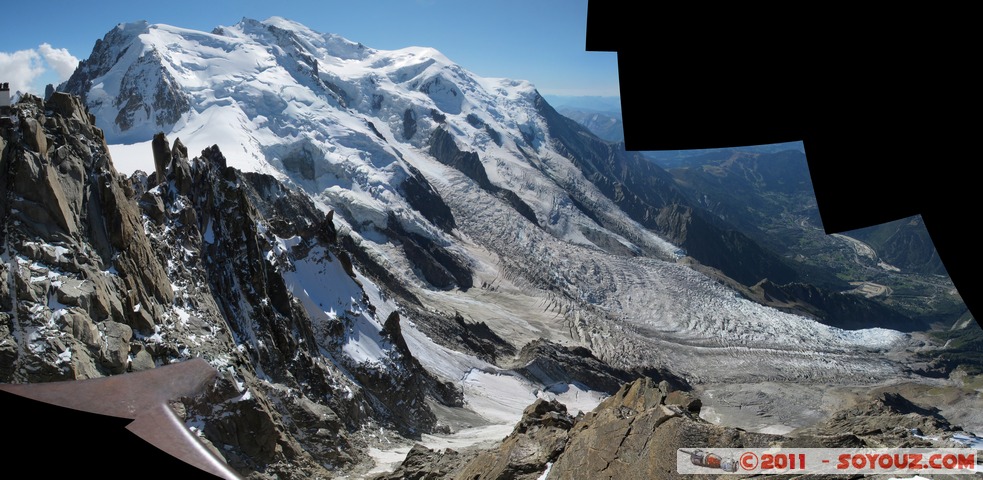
[80,274]
[886,420]
[211,209]
[550,363]
[635,434]
[631,434]
[444,148]
[422,463]
[538,439]
[459,334]
[104,274]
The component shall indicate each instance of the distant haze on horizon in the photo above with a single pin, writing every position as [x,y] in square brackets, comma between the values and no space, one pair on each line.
[542,41]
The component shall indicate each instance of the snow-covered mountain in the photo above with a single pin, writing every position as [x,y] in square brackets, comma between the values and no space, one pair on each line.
[411,148]
[477,218]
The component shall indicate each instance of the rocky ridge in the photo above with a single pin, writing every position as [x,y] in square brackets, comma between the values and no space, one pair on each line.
[635,433]
[104,274]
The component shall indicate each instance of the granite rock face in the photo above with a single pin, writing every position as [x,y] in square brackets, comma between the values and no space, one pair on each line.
[550,363]
[81,274]
[636,432]
[104,274]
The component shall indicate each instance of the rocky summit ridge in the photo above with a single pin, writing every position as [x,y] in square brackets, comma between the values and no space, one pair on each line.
[105,274]
[636,432]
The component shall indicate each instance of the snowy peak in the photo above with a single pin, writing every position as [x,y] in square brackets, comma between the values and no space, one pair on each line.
[129,30]
[277,78]
[322,45]
[125,82]
[162,58]
[336,118]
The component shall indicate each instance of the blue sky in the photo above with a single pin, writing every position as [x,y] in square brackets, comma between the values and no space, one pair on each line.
[541,41]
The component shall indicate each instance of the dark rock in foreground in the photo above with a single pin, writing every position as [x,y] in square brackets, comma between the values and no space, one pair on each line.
[635,434]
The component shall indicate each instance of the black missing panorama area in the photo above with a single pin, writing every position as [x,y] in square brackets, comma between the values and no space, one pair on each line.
[875,97]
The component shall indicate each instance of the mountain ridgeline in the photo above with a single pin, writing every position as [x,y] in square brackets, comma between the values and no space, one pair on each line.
[644,191]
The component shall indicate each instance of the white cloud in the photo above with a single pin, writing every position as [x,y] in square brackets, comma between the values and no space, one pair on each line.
[20,69]
[60,60]
[29,70]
